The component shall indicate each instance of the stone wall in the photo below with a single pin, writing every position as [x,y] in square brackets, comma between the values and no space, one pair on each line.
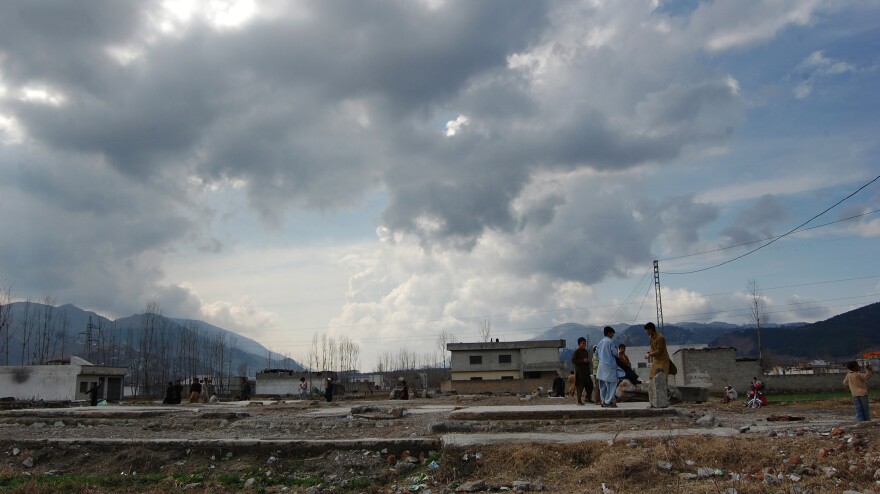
[796,383]
[714,368]
[514,386]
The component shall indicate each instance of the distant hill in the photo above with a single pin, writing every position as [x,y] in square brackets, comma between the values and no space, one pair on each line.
[43,332]
[635,335]
[842,337]
[570,332]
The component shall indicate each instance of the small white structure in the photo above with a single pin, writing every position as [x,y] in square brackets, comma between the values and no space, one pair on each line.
[65,381]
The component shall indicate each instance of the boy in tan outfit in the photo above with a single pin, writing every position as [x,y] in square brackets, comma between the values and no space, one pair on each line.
[858,386]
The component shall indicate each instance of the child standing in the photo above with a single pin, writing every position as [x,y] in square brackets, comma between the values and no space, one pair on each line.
[858,386]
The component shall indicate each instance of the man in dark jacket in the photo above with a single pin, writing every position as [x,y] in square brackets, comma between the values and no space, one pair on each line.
[177,394]
[328,391]
[93,393]
[558,386]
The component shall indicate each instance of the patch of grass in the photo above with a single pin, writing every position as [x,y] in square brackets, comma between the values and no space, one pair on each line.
[812,396]
[357,485]
[79,483]
[845,395]
[298,481]
[229,480]
[188,478]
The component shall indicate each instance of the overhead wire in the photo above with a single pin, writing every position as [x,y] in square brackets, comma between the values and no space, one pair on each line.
[777,237]
[765,238]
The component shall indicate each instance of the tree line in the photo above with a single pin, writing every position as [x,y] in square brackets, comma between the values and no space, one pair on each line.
[154,349]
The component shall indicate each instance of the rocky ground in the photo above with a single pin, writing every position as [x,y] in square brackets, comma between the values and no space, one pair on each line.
[812,447]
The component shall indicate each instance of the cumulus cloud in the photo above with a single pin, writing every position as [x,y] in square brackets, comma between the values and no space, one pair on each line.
[814,68]
[545,270]
[512,144]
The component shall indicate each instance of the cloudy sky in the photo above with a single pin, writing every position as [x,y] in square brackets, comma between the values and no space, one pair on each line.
[387,170]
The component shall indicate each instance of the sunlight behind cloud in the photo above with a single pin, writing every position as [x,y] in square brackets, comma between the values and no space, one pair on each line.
[454,127]
[41,95]
[220,14]
[10,131]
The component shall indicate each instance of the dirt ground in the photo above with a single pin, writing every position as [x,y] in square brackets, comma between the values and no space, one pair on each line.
[818,449]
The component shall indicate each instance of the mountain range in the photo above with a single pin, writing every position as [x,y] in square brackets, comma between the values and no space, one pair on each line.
[842,337]
[58,332]
[55,333]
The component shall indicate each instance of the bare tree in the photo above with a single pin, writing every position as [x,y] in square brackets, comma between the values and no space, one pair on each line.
[61,335]
[26,330]
[149,323]
[312,356]
[756,314]
[384,362]
[5,320]
[443,339]
[406,359]
[349,352]
[485,330]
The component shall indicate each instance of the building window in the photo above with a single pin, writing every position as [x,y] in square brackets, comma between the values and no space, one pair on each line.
[476,379]
[503,378]
[476,359]
[642,365]
[83,387]
[533,375]
[504,359]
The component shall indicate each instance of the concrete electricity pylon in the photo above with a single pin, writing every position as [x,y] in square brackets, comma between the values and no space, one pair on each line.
[659,302]
[89,341]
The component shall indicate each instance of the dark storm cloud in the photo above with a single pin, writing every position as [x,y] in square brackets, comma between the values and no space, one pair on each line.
[316,107]
[760,220]
[63,42]
[266,104]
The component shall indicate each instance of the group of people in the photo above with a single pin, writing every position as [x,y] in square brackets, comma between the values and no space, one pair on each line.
[200,391]
[596,378]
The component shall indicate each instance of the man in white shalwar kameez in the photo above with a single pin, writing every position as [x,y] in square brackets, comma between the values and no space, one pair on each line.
[607,370]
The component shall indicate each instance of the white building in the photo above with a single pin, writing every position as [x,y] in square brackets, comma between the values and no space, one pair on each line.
[65,381]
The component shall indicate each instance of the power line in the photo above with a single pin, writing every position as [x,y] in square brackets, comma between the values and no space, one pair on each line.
[766,238]
[780,236]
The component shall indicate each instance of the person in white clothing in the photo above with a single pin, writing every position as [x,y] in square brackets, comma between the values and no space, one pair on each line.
[606,373]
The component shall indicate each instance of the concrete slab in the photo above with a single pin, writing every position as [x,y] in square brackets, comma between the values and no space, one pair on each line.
[465,440]
[295,447]
[346,411]
[561,411]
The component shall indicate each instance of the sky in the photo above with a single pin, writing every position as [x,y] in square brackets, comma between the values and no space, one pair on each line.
[390,171]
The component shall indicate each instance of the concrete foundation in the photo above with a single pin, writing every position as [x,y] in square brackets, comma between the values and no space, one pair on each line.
[658,395]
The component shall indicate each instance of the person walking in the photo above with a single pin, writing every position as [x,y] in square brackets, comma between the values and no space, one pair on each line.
[581,360]
[606,373]
[858,387]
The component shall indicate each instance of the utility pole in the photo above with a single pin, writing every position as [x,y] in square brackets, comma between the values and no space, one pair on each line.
[89,339]
[659,302]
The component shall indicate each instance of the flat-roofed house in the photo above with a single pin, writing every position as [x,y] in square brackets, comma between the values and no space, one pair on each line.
[67,380]
[504,366]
